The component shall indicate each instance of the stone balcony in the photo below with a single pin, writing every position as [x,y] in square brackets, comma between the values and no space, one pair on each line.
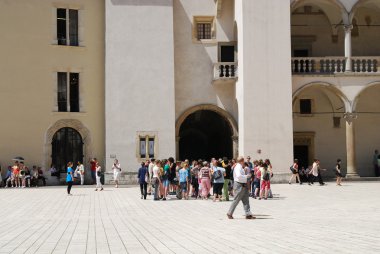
[226,71]
[334,65]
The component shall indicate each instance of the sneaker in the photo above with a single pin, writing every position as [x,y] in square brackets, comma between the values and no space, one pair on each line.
[250,217]
[96,189]
[101,189]
[164,199]
[229,216]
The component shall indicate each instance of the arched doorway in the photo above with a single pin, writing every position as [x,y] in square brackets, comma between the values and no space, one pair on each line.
[319,125]
[205,134]
[67,145]
[366,107]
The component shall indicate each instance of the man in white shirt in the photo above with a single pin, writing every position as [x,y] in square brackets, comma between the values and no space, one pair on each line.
[150,175]
[240,190]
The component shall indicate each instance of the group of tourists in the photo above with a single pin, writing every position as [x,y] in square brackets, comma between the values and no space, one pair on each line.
[20,176]
[314,173]
[79,172]
[164,178]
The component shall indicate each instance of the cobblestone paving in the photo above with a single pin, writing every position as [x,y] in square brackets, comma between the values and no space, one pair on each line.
[300,219]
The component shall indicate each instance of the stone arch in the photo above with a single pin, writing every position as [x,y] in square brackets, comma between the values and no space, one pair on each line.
[67,123]
[210,107]
[335,90]
[361,3]
[357,97]
[331,13]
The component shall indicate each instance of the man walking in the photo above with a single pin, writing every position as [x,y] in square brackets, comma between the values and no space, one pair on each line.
[240,190]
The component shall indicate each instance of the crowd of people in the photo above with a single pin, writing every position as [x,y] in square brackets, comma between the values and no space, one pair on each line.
[202,179]
[314,173]
[20,176]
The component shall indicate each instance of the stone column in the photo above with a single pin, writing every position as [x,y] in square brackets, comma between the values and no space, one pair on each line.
[350,145]
[235,146]
[348,47]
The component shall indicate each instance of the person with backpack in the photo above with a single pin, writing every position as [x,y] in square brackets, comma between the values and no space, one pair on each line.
[256,179]
[265,181]
[227,177]
[218,179]
[194,179]
[165,179]
[294,170]
[143,179]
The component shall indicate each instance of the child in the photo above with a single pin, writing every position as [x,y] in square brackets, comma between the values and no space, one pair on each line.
[183,179]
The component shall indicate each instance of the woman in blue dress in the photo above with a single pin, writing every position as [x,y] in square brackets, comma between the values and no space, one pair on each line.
[69,177]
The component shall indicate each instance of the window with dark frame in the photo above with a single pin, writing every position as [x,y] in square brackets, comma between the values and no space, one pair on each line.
[73,27]
[68,92]
[61,26]
[67,18]
[146,147]
[203,31]
[62,92]
[74,92]
[305,106]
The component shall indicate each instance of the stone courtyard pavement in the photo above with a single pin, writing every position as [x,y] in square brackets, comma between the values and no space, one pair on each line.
[300,219]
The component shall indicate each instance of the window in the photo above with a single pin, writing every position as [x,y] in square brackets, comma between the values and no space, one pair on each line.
[68,96]
[204,31]
[147,147]
[336,120]
[67,27]
[305,106]
[62,91]
[226,52]
[203,28]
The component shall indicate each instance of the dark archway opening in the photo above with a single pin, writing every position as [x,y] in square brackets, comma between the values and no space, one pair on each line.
[203,135]
[67,145]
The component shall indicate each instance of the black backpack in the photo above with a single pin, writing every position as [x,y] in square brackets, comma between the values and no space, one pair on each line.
[217,174]
[266,176]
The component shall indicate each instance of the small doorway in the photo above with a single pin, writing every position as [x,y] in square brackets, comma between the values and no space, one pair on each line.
[67,145]
[302,154]
[303,148]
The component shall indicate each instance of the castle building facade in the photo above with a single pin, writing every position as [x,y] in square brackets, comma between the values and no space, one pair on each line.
[141,79]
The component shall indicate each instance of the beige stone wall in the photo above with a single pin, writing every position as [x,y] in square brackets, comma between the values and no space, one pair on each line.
[28,84]
[194,60]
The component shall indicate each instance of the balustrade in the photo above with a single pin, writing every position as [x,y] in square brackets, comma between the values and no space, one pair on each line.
[225,70]
[331,65]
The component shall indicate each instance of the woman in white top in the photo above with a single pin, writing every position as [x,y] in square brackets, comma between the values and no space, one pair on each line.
[156,180]
[98,175]
[116,172]
[80,171]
